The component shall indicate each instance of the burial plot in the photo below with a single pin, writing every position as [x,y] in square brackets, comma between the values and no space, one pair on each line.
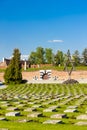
[16,103]
[72,107]
[49,110]
[31,103]
[59,116]
[5,105]
[2,118]
[37,106]
[12,114]
[24,120]
[52,122]
[70,110]
[54,107]
[16,97]
[25,97]
[80,123]
[3,102]
[36,114]
[20,105]
[12,108]
[30,109]
[82,117]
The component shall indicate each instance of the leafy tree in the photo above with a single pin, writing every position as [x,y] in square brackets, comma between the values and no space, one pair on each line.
[76,57]
[48,55]
[84,53]
[40,55]
[33,58]
[59,58]
[13,72]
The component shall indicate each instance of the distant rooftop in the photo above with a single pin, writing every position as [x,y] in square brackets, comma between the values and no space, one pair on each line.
[23,57]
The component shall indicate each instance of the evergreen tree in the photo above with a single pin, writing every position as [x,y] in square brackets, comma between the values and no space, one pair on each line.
[68,55]
[13,72]
[84,53]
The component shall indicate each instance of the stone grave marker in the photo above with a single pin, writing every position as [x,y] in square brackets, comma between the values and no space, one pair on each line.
[49,110]
[35,114]
[2,118]
[82,117]
[12,114]
[37,106]
[72,107]
[52,122]
[59,116]
[24,120]
[5,105]
[12,108]
[80,123]
[70,110]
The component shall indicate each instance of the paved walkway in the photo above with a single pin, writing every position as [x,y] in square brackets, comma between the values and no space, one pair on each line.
[84,81]
[2,85]
[55,81]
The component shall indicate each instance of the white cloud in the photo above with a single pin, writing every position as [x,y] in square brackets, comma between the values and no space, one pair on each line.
[56,41]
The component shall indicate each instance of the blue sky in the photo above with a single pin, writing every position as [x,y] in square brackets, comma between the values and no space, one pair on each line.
[57,24]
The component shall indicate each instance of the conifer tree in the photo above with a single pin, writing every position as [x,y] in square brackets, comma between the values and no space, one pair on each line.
[13,72]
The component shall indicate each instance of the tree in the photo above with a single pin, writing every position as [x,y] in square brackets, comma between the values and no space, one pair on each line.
[40,55]
[33,58]
[59,58]
[68,64]
[76,58]
[84,53]
[67,59]
[68,55]
[13,72]
[48,55]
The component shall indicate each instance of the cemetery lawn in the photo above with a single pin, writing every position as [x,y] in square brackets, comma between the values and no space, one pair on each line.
[36,126]
[37,103]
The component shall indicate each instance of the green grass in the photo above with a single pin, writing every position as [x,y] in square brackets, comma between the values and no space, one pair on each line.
[36,126]
[81,68]
[40,94]
[2,70]
[61,68]
[46,67]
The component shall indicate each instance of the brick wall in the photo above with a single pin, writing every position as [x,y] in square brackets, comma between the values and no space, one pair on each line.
[60,74]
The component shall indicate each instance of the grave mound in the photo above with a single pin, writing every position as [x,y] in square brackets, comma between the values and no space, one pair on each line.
[71,81]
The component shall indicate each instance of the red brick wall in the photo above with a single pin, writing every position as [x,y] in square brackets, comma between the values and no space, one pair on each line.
[60,74]
[41,65]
